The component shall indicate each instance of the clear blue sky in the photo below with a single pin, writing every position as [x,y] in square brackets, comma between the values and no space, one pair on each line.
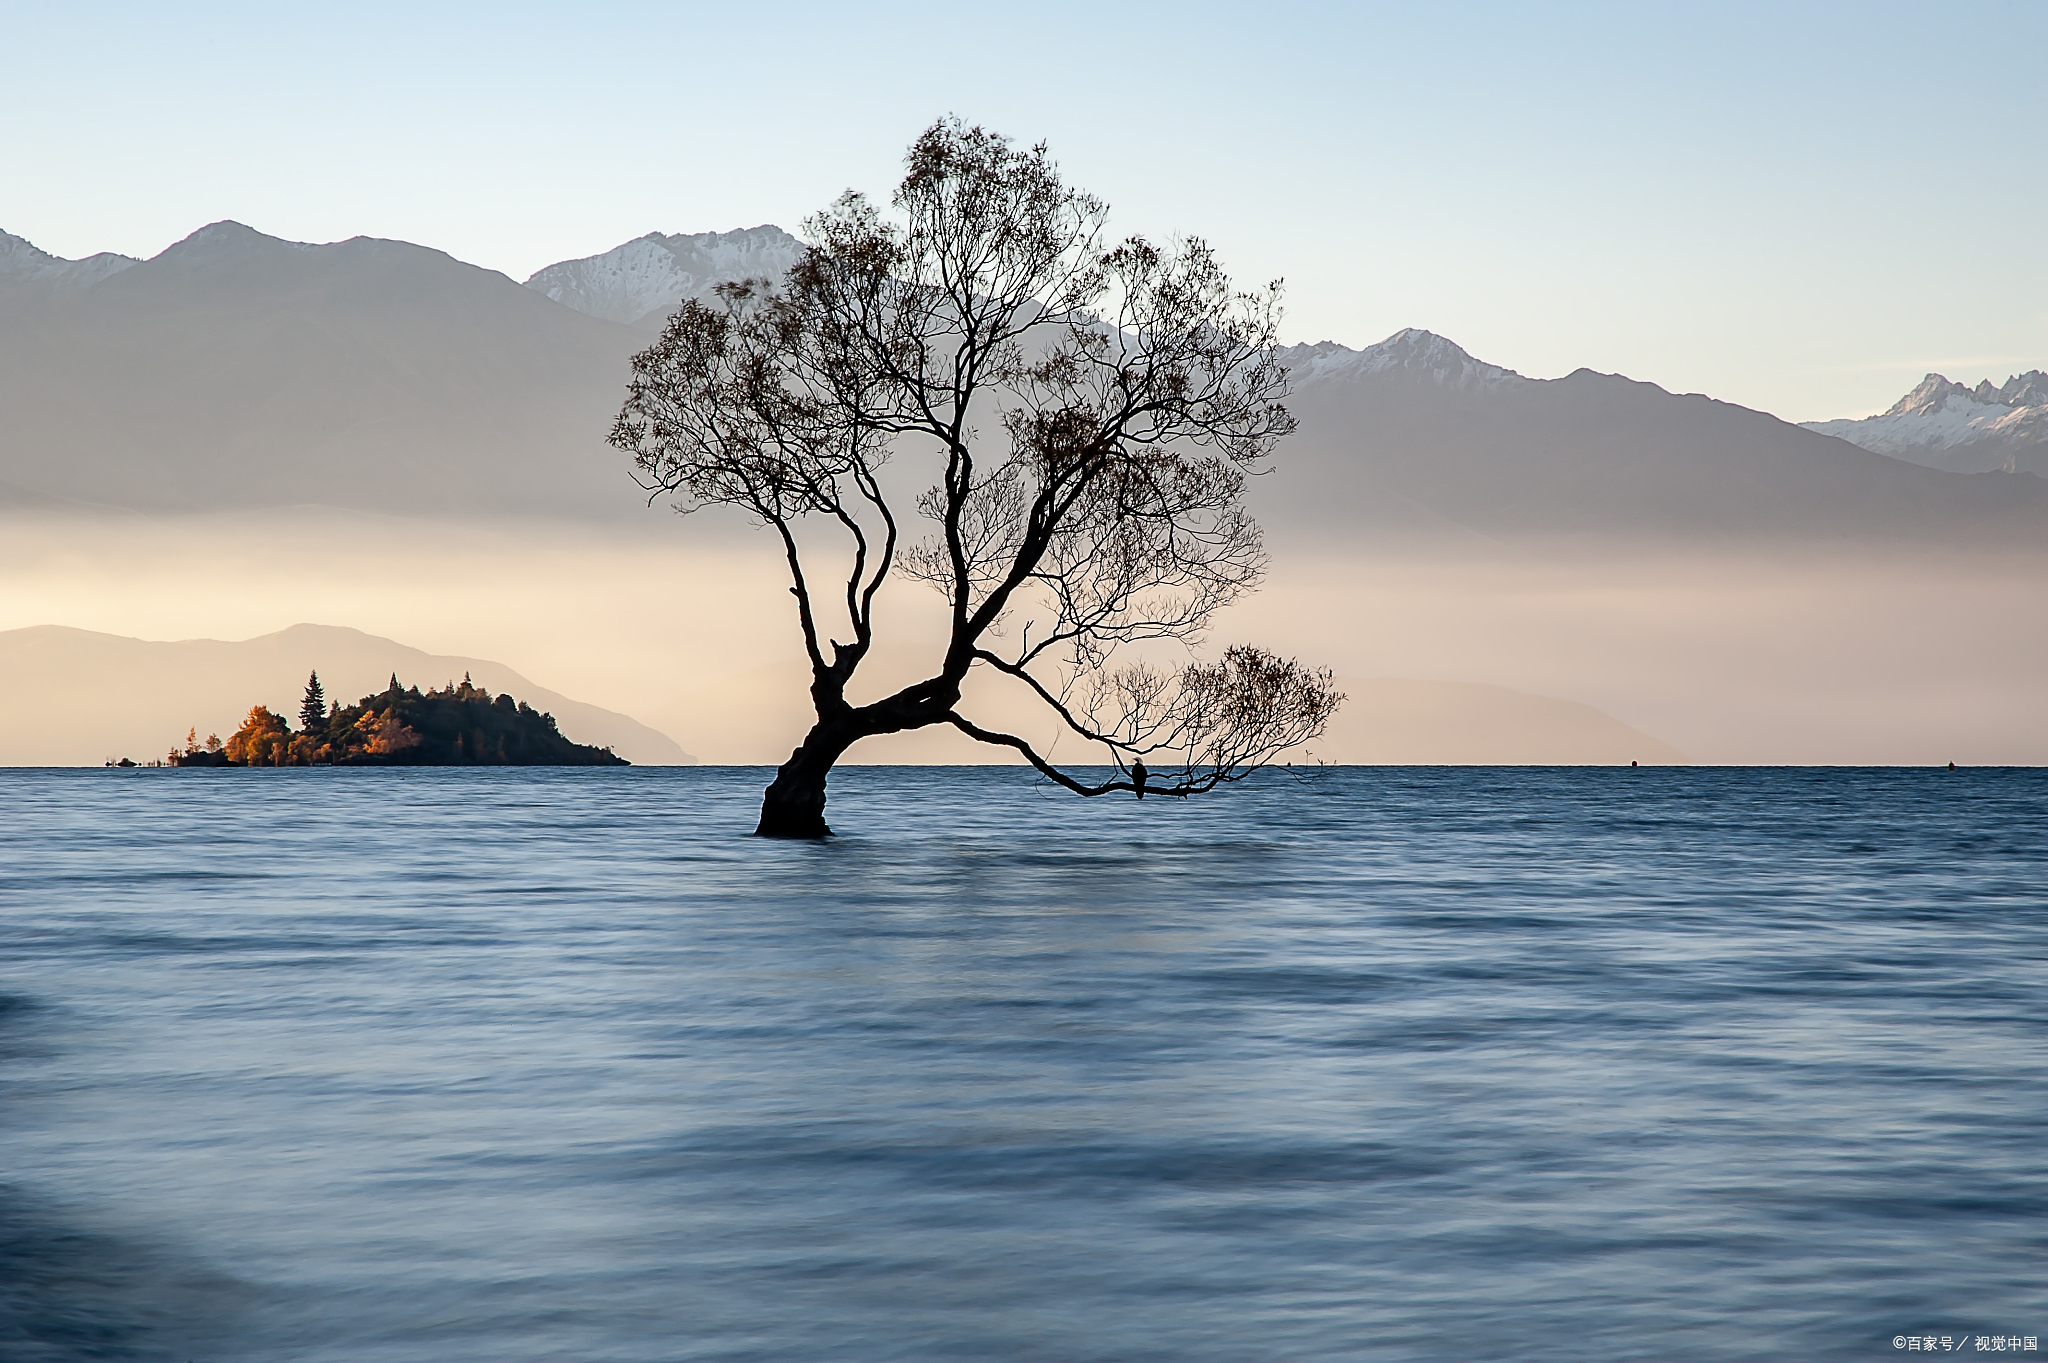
[1801,207]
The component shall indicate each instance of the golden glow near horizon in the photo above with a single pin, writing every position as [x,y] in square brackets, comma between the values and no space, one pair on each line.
[1773,658]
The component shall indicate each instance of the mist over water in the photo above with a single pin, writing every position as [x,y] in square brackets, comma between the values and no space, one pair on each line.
[1738,655]
[1392,1064]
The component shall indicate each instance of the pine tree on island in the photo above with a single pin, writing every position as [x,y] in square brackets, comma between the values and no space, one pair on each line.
[313,709]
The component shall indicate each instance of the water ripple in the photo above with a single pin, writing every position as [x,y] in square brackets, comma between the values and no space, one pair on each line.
[383,1067]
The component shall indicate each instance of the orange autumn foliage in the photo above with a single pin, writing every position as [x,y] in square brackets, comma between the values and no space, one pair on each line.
[388,733]
[264,740]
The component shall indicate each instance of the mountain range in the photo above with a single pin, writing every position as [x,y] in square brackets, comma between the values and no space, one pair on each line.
[1944,425]
[1414,435]
[237,370]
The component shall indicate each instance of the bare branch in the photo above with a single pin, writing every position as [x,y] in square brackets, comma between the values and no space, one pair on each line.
[1045,768]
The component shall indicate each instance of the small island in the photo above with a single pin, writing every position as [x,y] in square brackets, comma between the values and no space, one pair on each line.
[462,725]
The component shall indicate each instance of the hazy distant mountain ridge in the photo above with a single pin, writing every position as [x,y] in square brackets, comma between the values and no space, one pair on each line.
[237,369]
[649,276]
[1945,425]
[80,688]
[26,265]
[1415,435]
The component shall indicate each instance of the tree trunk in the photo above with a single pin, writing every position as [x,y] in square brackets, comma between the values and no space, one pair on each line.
[794,804]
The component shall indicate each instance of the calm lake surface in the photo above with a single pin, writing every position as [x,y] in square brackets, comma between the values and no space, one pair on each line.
[1358,1064]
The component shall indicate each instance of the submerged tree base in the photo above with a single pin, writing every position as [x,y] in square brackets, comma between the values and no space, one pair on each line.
[793,825]
[793,806]
[789,812]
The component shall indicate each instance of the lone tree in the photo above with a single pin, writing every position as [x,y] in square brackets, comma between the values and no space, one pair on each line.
[1132,388]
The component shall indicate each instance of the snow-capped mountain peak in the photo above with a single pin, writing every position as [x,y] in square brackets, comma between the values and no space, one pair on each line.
[2021,390]
[1966,430]
[1410,352]
[650,275]
[1929,396]
[22,262]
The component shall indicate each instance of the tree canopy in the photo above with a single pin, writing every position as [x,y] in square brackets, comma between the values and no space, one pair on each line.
[1090,411]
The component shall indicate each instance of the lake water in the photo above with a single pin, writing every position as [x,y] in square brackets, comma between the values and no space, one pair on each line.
[1354,1064]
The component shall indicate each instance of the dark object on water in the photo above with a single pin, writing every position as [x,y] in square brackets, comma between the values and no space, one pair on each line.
[1632,763]
[1138,777]
[1951,766]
